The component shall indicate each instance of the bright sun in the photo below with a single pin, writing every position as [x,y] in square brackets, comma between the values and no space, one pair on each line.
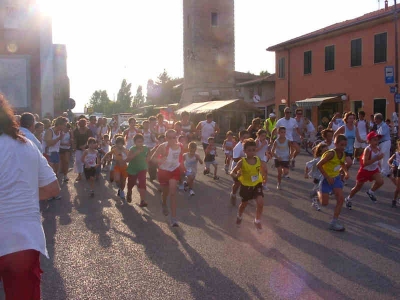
[46,6]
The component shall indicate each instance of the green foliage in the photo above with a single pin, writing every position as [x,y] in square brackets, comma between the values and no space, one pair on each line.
[161,91]
[139,99]
[100,102]
[124,97]
[265,73]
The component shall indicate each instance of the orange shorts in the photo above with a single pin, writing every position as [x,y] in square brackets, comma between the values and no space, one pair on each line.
[122,170]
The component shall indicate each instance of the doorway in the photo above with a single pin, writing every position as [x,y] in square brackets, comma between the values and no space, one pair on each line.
[356,106]
[380,107]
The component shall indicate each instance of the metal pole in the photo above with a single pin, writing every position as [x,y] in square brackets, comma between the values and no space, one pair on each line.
[396,60]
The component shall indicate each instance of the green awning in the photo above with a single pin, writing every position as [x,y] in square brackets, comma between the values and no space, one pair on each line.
[310,102]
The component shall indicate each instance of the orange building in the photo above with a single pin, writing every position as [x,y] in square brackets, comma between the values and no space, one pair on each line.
[338,68]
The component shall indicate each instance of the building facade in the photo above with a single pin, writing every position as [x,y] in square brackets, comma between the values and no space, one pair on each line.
[27,58]
[338,68]
[209,50]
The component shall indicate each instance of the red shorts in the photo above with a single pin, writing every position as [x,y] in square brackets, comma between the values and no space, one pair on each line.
[20,273]
[165,176]
[365,175]
[139,179]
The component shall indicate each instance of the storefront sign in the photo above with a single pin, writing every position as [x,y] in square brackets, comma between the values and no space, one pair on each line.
[389,75]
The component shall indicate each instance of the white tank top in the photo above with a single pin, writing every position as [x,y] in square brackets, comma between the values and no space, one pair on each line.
[172,161]
[261,152]
[374,165]
[335,126]
[66,138]
[56,146]
[129,139]
[90,160]
[160,129]
[113,133]
[147,139]
[362,129]
[207,130]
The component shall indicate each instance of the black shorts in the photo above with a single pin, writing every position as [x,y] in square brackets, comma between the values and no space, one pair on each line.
[281,164]
[348,154]
[90,172]
[396,172]
[251,192]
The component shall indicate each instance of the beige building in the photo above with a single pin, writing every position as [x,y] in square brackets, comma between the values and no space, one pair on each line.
[260,92]
[209,51]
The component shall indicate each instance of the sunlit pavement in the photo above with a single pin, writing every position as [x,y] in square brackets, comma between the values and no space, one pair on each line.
[101,248]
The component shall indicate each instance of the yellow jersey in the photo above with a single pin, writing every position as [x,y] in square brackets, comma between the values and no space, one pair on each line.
[250,174]
[332,167]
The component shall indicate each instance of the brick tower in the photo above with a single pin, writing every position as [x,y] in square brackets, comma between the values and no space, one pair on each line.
[209,50]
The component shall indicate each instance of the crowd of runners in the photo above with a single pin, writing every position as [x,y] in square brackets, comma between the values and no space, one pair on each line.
[168,153]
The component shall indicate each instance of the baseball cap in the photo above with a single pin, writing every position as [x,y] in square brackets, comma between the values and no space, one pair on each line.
[271,115]
[372,135]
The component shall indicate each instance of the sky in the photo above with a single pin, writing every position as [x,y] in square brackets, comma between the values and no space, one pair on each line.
[108,41]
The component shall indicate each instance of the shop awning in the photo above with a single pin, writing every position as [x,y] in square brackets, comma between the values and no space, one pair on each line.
[210,106]
[310,102]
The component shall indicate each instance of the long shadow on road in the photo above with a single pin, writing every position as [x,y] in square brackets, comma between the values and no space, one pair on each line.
[205,282]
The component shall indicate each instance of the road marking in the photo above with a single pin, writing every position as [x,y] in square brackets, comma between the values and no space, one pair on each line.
[388,227]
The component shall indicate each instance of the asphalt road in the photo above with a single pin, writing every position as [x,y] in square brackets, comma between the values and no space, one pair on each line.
[101,248]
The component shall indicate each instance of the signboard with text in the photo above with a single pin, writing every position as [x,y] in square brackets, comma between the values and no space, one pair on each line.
[389,75]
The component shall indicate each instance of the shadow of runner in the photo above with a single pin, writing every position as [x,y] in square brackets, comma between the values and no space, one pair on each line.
[205,282]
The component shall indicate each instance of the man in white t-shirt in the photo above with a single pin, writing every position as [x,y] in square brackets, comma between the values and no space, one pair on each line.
[362,127]
[291,125]
[207,128]
[237,155]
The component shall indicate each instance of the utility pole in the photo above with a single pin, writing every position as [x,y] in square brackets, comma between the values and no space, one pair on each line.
[396,68]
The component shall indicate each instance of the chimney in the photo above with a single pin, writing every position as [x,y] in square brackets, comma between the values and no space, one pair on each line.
[386,4]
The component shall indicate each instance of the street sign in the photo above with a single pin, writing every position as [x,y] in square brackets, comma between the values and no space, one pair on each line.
[397,98]
[90,110]
[393,90]
[389,75]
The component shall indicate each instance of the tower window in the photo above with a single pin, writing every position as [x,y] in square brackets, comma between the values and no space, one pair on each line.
[214,19]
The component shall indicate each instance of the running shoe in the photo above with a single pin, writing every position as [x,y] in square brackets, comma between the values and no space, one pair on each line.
[174,222]
[348,202]
[205,172]
[216,178]
[185,186]
[142,203]
[372,196]
[286,176]
[258,226]
[265,188]
[238,221]
[122,195]
[315,204]
[278,186]
[394,203]
[226,169]
[165,209]
[336,226]
[233,199]
[191,193]
[119,192]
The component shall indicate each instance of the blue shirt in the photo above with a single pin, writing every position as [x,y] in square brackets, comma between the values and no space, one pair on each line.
[30,136]
[384,131]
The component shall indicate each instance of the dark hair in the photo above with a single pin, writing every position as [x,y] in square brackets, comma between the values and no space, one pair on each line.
[192,145]
[185,113]
[347,115]
[318,149]
[211,138]
[229,133]
[261,131]
[161,136]
[297,110]
[160,115]
[91,140]
[340,137]
[249,143]
[131,119]
[361,112]
[152,118]
[325,132]
[27,120]
[242,133]
[46,122]
[8,125]
[138,136]
[106,136]
[119,139]
[178,123]
[210,115]
[60,121]
[38,124]
[281,128]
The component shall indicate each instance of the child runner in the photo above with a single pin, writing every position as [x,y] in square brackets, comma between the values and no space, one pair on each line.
[394,161]
[262,149]
[169,157]
[184,141]
[281,152]
[119,153]
[252,175]
[227,146]
[313,172]
[105,148]
[369,169]
[237,155]
[211,153]
[130,132]
[89,159]
[137,169]
[161,126]
[190,161]
[330,165]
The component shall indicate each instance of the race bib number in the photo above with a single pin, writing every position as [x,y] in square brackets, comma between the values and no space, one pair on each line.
[254,178]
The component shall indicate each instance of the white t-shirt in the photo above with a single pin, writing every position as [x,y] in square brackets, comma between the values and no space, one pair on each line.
[207,130]
[237,153]
[289,125]
[23,169]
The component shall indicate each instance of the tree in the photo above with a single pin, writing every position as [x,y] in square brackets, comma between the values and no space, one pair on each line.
[160,92]
[265,73]
[100,102]
[138,100]
[124,97]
